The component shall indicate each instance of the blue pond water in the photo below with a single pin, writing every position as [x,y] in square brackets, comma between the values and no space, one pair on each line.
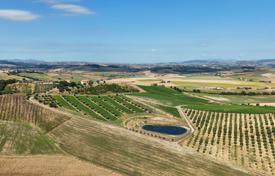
[165,129]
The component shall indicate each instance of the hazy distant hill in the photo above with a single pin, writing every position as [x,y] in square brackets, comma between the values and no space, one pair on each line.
[191,66]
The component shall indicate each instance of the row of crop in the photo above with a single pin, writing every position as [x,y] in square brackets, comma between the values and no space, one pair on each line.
[138,105]
[101,107]
[127,104]
[224,135]
[106,106]
[61,102]
[116,104]
[81,107]
[96,108]
[18,108]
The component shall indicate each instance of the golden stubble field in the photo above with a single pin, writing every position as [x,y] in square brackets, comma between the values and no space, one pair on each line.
[49,165]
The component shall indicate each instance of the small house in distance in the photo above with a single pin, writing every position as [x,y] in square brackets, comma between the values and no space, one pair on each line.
[84,82]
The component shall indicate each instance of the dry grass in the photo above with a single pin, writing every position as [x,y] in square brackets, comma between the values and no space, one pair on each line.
[49,165]
[131,153]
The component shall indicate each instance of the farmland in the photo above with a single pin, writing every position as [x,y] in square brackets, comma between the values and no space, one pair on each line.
[21,138]
[16,108]
[130,153]
[245,139]
[23,127]
[106,108]
[137,88]
[171,97]
[103,124]
[45,165]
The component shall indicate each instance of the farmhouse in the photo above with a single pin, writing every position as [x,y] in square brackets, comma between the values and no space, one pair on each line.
[84,82]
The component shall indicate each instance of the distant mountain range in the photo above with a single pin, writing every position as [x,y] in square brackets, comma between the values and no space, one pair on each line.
[191,66]
[264,62]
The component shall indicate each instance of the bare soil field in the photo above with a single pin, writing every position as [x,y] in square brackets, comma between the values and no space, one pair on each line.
[49,165]
[267,104]
[217,98]
[131,153]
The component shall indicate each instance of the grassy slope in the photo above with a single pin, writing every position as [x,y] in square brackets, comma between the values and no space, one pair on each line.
[118,150]
[170,110]
[239,99]
[173,98]
[39,76]
[21,138]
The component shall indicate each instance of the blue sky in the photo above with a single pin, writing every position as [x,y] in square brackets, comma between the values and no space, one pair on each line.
[137,31]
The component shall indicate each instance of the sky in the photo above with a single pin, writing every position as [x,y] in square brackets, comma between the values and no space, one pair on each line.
[137,31]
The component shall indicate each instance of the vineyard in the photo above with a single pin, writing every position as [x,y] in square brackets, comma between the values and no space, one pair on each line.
[108,108]
[18,135]
[246,139]
[17,108]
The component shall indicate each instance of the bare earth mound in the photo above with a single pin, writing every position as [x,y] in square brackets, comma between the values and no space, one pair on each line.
[45,165]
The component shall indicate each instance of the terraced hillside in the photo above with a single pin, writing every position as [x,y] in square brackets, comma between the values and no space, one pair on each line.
[245,139]
[107,108]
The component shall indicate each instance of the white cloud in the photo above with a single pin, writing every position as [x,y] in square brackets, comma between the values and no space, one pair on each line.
[74,9]
[58,1]
[17,15]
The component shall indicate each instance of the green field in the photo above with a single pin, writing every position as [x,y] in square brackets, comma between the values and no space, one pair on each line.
[22,138]
[173,98]
[35,76]
[238,99]
[170,110]
[108,108]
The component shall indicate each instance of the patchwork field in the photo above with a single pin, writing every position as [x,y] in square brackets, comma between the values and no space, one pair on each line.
[210,82]
[228,139]
[172,97]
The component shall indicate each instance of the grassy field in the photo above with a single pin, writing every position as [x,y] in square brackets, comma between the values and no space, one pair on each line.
[36,76]
[169,109]
[238,99]
[21,138]
[5,76]
[173,98]
[123,151]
